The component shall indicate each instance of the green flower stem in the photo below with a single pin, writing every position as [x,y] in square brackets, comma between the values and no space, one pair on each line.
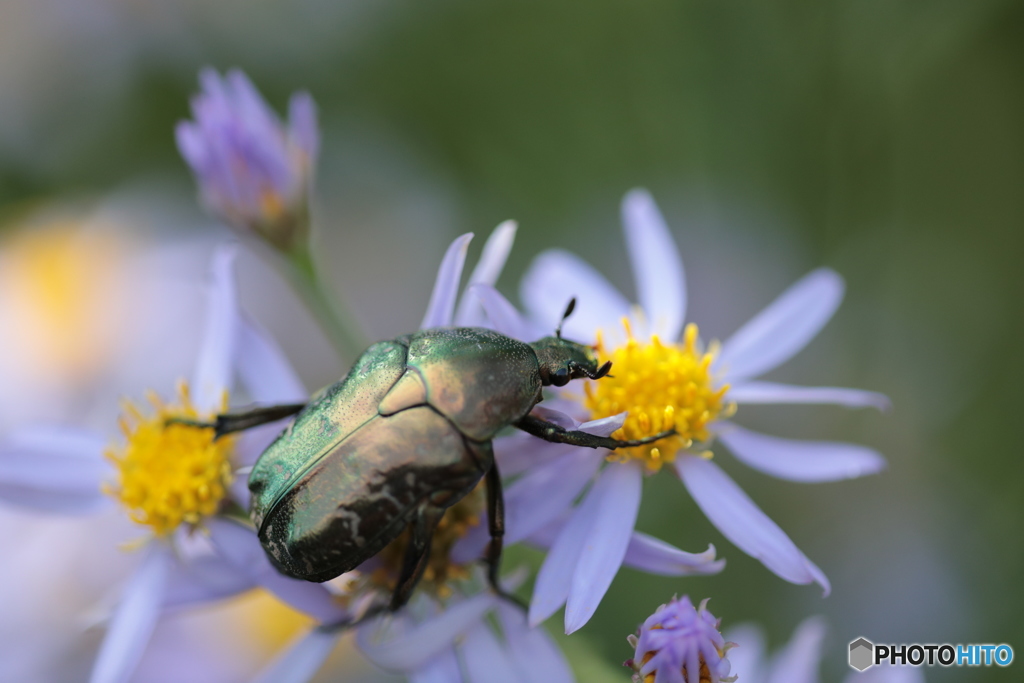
[335,319]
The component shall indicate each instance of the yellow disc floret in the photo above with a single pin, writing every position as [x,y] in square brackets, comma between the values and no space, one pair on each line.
[663,386]
[170,473]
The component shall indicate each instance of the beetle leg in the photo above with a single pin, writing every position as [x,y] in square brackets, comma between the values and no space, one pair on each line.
[416,554]
[549,431]
[496,520]
[228,423]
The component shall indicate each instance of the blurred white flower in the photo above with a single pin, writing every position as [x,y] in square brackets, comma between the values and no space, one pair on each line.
[173,478]
[797,662]
[799,659]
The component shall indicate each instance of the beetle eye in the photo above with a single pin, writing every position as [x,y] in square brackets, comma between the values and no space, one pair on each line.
[560,377]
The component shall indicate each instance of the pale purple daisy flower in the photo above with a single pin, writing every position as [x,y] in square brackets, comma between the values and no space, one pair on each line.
[799,659]
[254,172]
[680,644]
[663,385]
[175,480]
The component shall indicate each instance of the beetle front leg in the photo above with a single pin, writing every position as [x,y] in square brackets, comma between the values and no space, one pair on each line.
[228,423]
[549,431]
[496,521]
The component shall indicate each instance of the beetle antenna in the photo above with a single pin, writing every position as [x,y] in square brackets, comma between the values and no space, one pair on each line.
[568,312]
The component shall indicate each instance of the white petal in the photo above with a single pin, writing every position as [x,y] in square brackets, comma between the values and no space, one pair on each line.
[556,574]
[443,668]
[557,276]
[619,488]
[785,326]
[543,494]
[746,660]
[742,522]
[771,392]
[302,124]
[657,266]
[501,313]
[654,556]
[214,366]
[546,536]
[134,619]
[487,271]
[532,651]
[563,420]
[241,548]
[54,469]
[534,500]
[303,658]
[520,452]
[804,461]
[486,660]
[446,287]
[606,426]
[646,553]
[385,643]
[202,580]
[798,661]
[570,402]
[264,369]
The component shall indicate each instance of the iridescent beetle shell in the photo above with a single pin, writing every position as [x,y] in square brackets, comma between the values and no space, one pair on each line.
[410,425]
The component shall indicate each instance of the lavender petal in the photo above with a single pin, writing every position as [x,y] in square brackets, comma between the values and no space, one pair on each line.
[742,522]
[446,287]
[618,488]
[657,267]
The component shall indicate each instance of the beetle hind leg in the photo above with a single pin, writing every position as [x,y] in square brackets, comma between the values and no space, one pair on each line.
[417,554]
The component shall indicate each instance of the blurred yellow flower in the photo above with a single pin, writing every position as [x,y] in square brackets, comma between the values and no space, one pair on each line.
[59,284]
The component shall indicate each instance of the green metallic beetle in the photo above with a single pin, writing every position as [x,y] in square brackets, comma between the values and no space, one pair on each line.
[405,435]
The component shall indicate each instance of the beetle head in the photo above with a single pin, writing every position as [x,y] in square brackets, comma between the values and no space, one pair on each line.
[562,360]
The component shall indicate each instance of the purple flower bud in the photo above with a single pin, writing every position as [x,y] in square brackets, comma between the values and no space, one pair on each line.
[680,644]
[254,172]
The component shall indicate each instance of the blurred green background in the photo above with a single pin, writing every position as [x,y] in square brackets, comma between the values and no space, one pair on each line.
[883,139]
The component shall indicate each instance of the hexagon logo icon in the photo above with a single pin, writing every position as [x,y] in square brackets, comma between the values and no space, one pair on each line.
[862,654]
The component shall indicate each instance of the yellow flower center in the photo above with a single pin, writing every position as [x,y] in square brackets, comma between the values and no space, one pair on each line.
[703,676]
[440,571]
[170,473]
[663,386]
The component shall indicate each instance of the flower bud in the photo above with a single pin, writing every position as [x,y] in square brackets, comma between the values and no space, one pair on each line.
[254,172]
